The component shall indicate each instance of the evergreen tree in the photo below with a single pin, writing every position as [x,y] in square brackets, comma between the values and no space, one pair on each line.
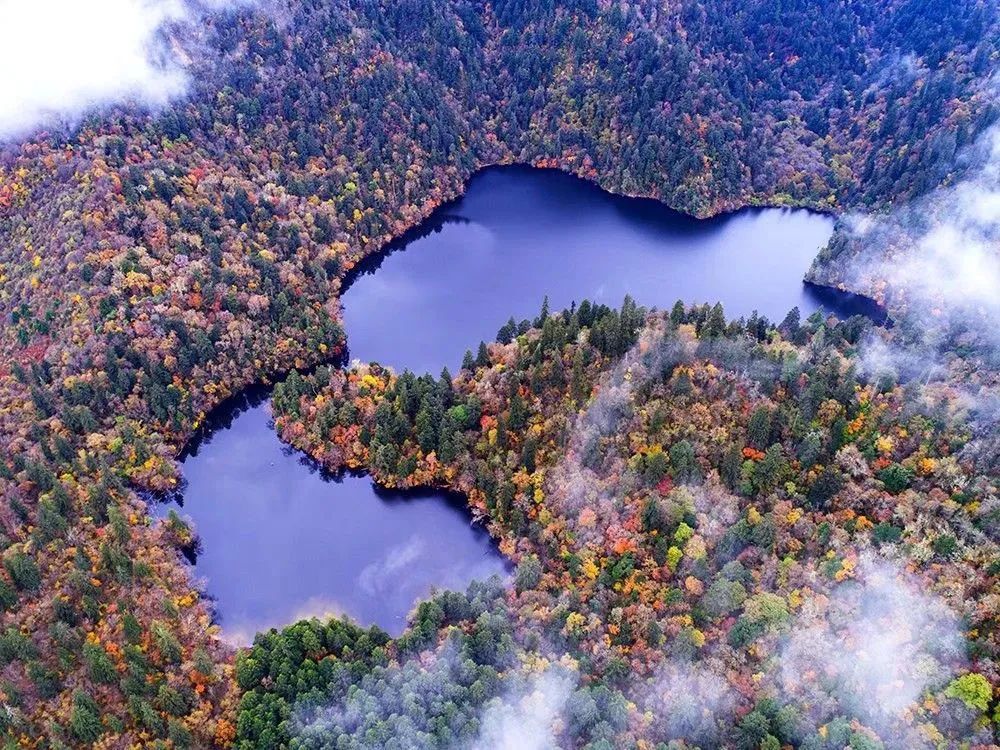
[85,721]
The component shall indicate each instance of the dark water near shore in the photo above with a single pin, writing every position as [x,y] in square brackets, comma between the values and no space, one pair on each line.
[281,541]
[520,234]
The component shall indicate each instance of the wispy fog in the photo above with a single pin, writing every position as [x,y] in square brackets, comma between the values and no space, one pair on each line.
[873,647]
[938,257]
[525,718]
[65,57]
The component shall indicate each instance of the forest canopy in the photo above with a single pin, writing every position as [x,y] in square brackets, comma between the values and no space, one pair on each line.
[154,263]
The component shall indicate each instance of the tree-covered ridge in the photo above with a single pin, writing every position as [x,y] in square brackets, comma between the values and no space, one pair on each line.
[152,265]
[690,496]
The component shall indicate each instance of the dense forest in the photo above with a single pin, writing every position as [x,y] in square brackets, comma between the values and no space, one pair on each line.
[717,509]
[153,264]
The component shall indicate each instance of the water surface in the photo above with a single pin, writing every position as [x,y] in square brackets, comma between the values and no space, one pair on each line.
[520,234]
[281,541]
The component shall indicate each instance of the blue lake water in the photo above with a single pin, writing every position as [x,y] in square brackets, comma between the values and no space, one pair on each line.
[520,234]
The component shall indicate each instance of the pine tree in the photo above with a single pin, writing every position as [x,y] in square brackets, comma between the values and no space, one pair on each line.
[543,314]
[715,325]
[507,332]
[483,355]
[678,314]
[85,721]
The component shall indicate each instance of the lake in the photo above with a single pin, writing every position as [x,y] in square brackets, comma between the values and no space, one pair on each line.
[521,234]
[281,541]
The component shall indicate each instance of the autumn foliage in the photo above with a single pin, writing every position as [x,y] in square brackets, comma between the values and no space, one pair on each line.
[154,264]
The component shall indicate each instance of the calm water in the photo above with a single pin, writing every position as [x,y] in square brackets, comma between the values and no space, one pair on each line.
[520,234]
[281,541]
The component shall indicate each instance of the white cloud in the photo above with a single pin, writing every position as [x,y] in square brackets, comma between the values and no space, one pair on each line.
[63,57]
[875,645]
[939,255]
[527,719]
[689,700]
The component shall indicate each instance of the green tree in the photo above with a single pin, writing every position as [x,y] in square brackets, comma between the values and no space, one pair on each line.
[529,573]
[824,487]
[972,689]
[678,313]
[683,462]
[759,428]
[715,325]
[895,477]
[99,664]
[23,571]
[85,721]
